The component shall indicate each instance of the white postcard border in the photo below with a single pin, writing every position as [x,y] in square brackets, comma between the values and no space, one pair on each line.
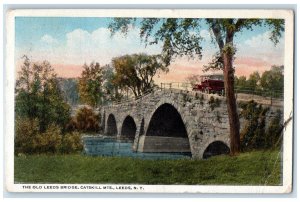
[9,82]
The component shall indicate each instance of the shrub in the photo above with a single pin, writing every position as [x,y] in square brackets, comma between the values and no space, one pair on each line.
[71,143]
[85,120]
[25,132]
[274,131]
[49,141]
[253,134]
[29,140]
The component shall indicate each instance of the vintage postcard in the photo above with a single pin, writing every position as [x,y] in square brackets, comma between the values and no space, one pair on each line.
[149,101]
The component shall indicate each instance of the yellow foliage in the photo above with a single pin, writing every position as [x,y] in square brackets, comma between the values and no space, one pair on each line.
[72,142]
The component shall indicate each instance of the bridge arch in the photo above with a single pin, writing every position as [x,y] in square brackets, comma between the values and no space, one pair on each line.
[215,148]
[171,102]
[166,121]
[165,130]
[128,129]
[111,126]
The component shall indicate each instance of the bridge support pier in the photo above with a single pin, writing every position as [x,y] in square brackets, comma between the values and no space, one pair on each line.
[138,134]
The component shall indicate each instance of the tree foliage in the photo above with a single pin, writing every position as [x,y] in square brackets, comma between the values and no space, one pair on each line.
[253,134]
[269,83]
[250,85]
[90,84]
[273,79]
[136,72]
[29,139]
[69,88]
[38,95]
[41,112]
[25,132]
[111,89]
[85,120]
[71,143]
[262,128]
[181,37]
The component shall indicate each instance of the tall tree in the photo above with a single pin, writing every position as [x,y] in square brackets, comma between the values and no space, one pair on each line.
[181,36]
[38,95]
[90,84]
[137,71]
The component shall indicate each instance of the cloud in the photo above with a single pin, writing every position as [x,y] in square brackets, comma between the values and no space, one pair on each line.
[262,42]
[100,46]
[80,46]
[262,48]
[48,39]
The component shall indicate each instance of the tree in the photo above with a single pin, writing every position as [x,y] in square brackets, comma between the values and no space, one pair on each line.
[26,94]
[181,36]
[69,88]
[240,83]
[253,82]
[112,91]
[90,84]
[38,95]
[272,80]
[136,72]
[85,120]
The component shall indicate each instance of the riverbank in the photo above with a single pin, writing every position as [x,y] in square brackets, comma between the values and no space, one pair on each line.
[253,168]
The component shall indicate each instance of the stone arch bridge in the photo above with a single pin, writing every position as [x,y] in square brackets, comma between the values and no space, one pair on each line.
[171,120]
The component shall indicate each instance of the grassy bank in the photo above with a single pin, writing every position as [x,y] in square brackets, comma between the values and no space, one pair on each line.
[253,168]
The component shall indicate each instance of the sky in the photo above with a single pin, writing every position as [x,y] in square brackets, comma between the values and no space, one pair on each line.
[69,42]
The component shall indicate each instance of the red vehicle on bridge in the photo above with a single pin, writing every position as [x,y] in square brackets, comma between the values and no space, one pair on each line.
[210,84]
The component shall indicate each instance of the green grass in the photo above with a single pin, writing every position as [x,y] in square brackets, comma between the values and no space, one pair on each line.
[253,168]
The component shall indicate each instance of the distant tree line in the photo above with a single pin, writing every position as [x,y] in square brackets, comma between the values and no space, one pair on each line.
[269,83]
